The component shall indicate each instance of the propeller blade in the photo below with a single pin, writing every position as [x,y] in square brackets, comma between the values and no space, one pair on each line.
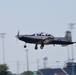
[17,34]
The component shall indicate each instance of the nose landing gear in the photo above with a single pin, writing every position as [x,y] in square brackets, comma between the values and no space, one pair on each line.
[25,46]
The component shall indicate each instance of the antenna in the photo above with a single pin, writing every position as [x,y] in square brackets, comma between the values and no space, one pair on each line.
[45,62]
[18,67]
[37,64]
[57,64]
[27,61]
[71,27]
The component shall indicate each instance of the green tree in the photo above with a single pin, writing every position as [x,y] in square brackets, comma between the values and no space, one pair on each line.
[3,69]
[27,73]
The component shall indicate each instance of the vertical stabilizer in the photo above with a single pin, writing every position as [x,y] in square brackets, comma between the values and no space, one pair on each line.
[68,35]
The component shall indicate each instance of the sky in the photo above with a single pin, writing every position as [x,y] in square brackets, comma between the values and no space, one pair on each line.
[32,16]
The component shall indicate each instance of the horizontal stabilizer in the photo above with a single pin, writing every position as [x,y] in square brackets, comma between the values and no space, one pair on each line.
[74,42]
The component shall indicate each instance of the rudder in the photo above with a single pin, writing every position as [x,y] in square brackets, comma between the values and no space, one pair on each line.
[68,35]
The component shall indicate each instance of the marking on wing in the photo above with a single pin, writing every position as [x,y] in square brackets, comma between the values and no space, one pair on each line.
[48,40]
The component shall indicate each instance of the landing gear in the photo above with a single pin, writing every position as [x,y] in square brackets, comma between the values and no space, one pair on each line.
[36,47]
[42,46]
[25,46]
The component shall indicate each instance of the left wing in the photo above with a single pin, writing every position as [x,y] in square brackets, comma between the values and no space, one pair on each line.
[48,40]
[45,41]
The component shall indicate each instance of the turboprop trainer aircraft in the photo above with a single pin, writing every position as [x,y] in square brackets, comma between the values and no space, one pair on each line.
[46,39]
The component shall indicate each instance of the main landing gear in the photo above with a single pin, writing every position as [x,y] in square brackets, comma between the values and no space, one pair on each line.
[36,47]
[41,47]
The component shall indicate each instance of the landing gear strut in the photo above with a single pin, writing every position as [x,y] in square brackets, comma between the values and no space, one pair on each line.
[36,47]
[42,46]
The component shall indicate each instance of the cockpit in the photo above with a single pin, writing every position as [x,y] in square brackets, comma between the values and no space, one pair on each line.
[42,34]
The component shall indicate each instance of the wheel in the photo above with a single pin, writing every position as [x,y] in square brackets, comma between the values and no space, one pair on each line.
[41,47]
[25,46]
[36,47]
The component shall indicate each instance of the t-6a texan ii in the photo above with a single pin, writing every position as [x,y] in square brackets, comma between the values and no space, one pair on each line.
[46,39]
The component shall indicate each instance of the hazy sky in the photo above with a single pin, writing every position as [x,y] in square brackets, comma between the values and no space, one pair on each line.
[32,16]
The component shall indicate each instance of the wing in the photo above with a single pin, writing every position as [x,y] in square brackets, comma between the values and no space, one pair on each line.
[45,41]
[48,40]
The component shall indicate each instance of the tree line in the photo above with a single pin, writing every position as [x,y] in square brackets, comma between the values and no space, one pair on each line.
[4,71]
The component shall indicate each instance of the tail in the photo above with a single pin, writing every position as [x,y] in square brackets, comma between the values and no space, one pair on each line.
[68,36]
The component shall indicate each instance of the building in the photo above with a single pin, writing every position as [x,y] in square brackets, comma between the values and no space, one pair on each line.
[70,69]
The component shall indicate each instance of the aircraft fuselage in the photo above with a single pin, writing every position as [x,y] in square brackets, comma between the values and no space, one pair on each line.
[39,39]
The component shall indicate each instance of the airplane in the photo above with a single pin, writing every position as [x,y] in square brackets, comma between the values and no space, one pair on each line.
[46,39]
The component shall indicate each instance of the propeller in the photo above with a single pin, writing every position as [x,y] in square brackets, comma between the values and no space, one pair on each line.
[17,36]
